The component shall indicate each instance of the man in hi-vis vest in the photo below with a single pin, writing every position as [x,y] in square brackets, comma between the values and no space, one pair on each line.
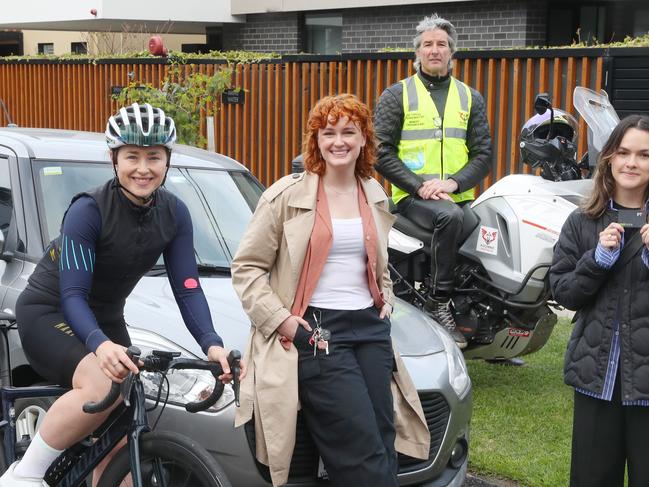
[434,147]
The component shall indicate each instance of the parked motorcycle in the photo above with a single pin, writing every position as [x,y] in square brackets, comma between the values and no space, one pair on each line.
[502,302]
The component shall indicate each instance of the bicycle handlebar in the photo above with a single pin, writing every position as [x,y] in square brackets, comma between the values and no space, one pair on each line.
[164,361]
[97,407]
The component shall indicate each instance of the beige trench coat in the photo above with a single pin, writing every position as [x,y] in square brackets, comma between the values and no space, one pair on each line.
[265,273]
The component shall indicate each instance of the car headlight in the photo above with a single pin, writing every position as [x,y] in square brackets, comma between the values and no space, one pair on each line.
[458,375]
[185,385]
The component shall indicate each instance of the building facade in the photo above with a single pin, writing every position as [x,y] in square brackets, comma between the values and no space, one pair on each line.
[294,26]
[332,26]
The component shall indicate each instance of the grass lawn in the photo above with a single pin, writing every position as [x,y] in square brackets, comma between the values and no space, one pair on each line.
[522,417]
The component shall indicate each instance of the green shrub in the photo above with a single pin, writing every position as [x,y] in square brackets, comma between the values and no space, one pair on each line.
[184,97]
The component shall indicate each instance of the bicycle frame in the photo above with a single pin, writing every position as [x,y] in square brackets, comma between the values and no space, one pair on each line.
[131,422]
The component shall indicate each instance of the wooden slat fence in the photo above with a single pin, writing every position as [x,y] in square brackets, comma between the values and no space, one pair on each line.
[265,132]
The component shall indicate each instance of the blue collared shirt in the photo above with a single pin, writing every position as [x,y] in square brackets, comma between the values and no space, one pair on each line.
[606,258]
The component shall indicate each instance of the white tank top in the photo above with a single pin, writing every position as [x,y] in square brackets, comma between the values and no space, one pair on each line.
[343,282]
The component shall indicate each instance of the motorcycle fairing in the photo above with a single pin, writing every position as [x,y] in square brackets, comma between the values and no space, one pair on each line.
[597,111]
[528,212]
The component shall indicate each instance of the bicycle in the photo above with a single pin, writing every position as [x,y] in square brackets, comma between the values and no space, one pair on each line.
[152,458]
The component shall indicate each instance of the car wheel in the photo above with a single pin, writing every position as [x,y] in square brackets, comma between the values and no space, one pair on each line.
[30,413]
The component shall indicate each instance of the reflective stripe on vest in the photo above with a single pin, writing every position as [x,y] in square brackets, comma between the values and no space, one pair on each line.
[430,145]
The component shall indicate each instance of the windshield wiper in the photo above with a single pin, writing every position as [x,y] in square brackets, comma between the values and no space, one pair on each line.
[213,269]
[157,270]
[203,269]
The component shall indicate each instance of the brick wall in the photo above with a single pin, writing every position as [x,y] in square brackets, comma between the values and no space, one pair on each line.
[483,24]
[273,32]
[480,24]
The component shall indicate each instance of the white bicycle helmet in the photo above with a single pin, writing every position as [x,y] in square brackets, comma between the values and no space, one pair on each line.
[141,125]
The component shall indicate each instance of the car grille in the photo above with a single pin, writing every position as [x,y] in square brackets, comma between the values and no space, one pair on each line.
[304,464]
[437,412]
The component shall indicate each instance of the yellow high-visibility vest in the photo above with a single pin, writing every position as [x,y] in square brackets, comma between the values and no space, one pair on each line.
[429,146]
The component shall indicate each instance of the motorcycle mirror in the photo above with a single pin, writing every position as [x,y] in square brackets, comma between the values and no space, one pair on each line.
[542,103]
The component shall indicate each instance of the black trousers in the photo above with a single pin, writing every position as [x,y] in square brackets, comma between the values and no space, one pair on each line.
[444,219]
[346,397]
[605,437]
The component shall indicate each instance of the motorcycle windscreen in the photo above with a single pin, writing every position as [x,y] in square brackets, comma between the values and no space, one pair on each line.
[599,114]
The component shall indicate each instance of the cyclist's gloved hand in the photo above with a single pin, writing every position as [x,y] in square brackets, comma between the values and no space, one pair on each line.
[114,362]
[220,354]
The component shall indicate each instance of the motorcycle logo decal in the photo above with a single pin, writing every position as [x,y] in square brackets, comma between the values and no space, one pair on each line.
[414,162]
[517,332]
[488,240]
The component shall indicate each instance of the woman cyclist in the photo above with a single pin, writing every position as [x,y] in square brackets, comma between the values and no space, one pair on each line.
[71,314]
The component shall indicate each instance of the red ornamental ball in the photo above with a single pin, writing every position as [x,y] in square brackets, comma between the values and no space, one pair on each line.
[93,12]
[156,46]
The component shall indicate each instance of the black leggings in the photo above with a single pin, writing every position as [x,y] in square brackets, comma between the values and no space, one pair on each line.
[51,347]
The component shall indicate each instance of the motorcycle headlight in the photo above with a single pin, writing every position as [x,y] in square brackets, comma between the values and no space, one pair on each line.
[458,375]
[185,385]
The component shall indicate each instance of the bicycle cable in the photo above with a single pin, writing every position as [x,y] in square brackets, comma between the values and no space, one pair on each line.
[163,375]
[164,404]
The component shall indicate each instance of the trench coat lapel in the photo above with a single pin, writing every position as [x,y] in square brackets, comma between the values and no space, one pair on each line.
[297,230]
[378,201]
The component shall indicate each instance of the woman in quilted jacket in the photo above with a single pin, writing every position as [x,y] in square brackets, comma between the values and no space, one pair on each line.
[601,270]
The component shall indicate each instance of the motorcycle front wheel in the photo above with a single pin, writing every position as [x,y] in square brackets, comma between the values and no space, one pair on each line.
[167,459]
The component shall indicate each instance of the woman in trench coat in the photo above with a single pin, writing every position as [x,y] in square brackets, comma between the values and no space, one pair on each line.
[278,274]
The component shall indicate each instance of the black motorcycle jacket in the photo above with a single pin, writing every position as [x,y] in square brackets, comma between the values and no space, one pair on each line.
[388,122]
[600,297]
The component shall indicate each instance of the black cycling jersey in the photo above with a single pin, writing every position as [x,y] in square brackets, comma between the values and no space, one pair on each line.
[107,244]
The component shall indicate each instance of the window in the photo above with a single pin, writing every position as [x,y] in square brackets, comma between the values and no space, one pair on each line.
[13,240]
[591,24]
[220,202]
[569,23]
[6,203]
[11,43]
[79,47]
[640,23]
[45,48]
[324,33]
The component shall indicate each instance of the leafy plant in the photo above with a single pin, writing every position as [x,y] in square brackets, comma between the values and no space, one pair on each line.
[184,97]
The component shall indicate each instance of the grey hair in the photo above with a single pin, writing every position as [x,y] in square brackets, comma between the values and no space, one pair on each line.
[431,23]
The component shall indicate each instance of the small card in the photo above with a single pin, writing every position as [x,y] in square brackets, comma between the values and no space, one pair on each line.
[631,218]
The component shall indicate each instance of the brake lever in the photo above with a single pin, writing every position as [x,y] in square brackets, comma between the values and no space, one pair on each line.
[126,388]
[234,359]
[127,384]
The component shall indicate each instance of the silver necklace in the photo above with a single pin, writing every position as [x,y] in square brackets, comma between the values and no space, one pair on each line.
[340,193]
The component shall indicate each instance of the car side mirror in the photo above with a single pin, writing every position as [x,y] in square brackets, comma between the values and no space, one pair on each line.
[6,253]
[542,103]
[297,164]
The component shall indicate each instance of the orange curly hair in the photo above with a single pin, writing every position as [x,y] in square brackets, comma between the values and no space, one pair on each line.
[331,109]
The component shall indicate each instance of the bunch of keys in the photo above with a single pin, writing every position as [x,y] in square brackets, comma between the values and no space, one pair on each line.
[320,338]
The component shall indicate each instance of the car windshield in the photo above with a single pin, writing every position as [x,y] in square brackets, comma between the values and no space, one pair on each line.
[220,202]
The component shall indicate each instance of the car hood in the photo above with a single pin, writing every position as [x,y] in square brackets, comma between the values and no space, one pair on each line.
[152,307]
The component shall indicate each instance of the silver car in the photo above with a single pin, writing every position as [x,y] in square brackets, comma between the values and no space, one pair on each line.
[41,169]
